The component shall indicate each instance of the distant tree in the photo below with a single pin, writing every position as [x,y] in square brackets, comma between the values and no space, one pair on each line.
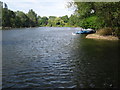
[33,18]
[8,18]
[19,22]
[24,21]
[55,22]
[65,18]
[59,22]
[39,20]
[19,18]
[43,21]
[51,20]
[12,18]
[52,17]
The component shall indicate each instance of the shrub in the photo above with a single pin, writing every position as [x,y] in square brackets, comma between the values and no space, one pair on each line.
[117,32]
[105,31]
[91,22]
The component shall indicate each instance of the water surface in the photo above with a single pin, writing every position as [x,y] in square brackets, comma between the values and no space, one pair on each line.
[48,57]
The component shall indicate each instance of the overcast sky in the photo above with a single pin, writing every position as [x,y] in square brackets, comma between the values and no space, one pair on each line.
[41,7]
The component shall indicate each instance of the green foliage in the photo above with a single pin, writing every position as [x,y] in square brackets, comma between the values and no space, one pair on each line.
[65,18]
[98,15]
[52,17]
[33,18]
[84,9]
[43,21]
[59,22]
[109,12]
[91,22]
[73,20]
[23,20]
[55,22]
[8,18]
[95,15]
[19,18]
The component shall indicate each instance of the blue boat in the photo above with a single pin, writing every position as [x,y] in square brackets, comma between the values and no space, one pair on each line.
[85,31]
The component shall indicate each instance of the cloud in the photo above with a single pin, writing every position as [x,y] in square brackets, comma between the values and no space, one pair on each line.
[41,7]
[35,0]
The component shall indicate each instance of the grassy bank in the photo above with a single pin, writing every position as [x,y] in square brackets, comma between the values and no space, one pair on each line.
[105,33]
[96,36]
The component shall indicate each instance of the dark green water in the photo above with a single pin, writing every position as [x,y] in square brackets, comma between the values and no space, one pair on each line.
[54,58]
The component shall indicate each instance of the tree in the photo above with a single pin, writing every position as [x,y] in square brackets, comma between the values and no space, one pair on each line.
[73,20]
[59,22]
[52,17]
[43,21]
[109,12]
[33,18]
[24,21]
[39,20]
[90,22]
[18,22]
[102,14]
[65,18]
[19,18]
[8,18]
[51,21]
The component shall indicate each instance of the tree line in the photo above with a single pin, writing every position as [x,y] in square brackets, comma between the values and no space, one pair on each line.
[18,19]
[31,19]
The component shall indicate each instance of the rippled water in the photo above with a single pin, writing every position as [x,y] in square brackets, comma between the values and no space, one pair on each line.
[48,57]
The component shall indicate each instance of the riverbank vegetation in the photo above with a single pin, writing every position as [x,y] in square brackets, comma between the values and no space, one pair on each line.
[101,16]
[19,19]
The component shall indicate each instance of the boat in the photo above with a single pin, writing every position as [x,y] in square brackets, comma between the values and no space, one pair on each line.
[85,31]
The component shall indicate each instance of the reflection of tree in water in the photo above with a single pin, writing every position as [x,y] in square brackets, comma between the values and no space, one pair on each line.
[93,67]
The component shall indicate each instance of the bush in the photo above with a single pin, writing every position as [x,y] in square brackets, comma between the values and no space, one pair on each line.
[105,31]
[91,22]
[117,32]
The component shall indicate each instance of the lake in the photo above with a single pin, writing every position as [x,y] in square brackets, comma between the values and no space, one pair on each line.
[52,57]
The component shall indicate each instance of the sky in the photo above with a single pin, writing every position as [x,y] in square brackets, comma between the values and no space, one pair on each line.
[41,7]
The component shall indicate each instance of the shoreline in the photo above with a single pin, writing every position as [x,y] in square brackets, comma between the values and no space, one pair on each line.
[7,28]
[96,36]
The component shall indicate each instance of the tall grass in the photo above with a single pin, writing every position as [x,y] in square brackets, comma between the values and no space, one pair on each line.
[105,31]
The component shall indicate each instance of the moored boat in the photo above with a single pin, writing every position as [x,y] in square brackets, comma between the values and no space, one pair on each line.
[85,31]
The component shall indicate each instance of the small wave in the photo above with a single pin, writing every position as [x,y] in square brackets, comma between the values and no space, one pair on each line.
[73,34]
